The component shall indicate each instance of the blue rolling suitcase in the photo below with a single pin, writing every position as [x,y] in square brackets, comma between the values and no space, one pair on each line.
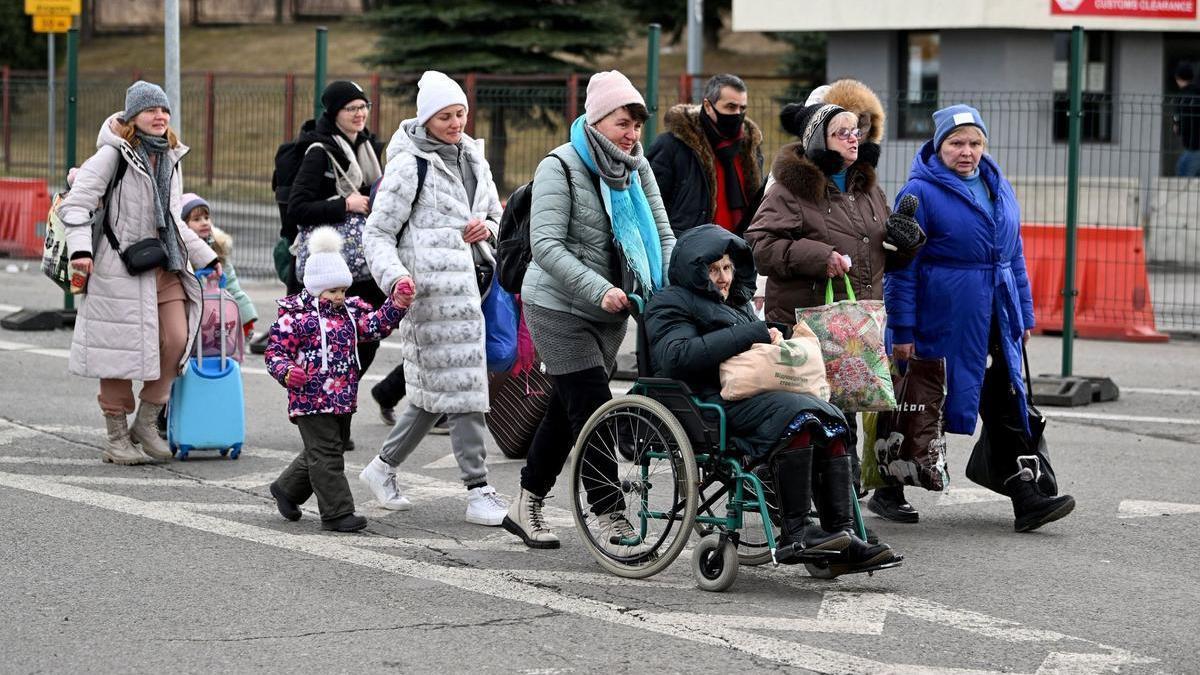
[207,407]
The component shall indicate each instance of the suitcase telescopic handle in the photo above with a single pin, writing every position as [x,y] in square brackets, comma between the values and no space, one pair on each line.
[223,336]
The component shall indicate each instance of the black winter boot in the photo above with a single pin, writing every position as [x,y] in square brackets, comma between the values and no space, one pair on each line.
[1031,508]
[889,503]
[801,540]
[837,514]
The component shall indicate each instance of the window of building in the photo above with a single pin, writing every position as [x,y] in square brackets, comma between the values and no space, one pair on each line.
[919,67]
[1097,104]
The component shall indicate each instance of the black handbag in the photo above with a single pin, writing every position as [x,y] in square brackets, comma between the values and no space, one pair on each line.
[989,468]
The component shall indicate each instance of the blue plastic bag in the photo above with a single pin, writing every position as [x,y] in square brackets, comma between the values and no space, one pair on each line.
[500,327]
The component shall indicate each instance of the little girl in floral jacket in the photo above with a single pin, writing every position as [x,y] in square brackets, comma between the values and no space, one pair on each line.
[313,352]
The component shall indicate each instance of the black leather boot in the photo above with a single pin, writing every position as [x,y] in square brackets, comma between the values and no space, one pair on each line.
[1031,508]
[837,514]
[800,540]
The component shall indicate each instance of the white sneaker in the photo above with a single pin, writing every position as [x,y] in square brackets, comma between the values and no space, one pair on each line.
[381,479]
[485,507]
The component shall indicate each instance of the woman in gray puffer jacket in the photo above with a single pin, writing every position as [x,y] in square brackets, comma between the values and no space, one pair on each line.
[594,239]
[134,327]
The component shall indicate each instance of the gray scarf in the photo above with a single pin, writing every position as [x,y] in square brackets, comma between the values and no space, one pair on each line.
[453,156]
[616,166]
[162,168]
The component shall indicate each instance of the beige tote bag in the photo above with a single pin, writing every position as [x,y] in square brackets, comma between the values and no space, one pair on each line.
[793,365]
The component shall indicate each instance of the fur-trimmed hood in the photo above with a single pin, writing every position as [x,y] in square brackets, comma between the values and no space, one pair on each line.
[221,243]
[683,120]
[803,178]
[860,100]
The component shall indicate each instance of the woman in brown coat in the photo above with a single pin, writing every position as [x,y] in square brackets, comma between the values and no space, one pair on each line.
[823,216]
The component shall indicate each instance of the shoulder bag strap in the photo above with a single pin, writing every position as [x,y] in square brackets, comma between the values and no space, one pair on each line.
[118,174]
[422,171]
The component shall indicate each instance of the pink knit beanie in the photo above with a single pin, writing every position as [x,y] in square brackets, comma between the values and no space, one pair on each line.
[608,91]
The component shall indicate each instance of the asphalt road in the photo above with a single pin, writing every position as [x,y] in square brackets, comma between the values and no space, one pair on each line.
[187,567]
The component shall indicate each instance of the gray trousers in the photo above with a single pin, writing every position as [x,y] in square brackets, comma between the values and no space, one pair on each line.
[466,440]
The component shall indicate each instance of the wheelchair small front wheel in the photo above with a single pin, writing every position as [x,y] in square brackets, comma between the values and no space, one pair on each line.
[715,563]
[634,515]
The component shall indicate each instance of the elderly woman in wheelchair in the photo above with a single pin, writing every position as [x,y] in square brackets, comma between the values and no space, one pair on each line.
[681,452]
[704,318]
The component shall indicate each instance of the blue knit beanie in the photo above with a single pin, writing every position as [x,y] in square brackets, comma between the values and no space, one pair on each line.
[948,119]
[142,95]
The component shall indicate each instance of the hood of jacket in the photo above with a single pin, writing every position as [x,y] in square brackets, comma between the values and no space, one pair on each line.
[700,247]
[221,243]
[928,166]
[803,178]
[860,100]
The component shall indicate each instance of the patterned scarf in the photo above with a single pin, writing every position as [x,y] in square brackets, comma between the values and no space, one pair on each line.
[162,170]
[633,225]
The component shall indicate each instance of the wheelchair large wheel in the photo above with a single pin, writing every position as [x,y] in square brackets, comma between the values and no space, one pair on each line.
[752,547]
[634,516]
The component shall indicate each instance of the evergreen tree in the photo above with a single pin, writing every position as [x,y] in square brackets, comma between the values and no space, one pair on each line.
[497,36]
[804,64]
[20,47]
[672,16]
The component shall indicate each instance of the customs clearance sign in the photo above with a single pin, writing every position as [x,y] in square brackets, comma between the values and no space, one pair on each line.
[1146,9]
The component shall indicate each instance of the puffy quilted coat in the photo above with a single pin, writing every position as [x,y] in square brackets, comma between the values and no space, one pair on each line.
[971,270]
[442,337]
[116,328]
[692,331]
[575,261]
[323,340]
[685,167]
[803,217]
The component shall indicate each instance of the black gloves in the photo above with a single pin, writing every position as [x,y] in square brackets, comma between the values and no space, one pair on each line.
[904,233]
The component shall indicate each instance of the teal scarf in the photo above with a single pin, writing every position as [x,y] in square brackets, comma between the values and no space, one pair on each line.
[634,228]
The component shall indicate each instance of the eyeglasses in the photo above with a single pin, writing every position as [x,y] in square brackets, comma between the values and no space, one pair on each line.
[355,109]
[845,134]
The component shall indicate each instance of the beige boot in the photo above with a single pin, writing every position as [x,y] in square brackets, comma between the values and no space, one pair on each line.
[525,520]
[145,432]
[119,450]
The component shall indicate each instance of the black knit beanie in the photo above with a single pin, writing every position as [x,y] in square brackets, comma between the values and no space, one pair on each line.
[338,93]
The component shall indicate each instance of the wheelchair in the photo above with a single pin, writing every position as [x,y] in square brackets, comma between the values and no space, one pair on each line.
[676,475]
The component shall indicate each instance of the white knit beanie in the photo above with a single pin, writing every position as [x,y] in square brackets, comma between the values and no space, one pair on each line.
[436,91]
[608,91]
[325,267]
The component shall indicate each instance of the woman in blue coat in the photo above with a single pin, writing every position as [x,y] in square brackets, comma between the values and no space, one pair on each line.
[966,296]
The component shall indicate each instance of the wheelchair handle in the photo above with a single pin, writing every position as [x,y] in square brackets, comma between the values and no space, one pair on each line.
[637,303]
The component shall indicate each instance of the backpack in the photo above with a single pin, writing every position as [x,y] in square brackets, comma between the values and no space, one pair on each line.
[288,158]
[513,251]
[56,257]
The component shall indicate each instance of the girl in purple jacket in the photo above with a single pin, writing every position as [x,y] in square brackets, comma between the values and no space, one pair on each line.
[313,352]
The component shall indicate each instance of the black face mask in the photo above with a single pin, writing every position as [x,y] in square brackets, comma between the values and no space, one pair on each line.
[729,126]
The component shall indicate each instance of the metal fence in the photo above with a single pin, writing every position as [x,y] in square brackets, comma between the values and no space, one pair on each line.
[1137,220]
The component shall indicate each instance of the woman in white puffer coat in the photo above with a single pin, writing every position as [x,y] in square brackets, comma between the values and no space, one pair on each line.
[134,327]
[430,241]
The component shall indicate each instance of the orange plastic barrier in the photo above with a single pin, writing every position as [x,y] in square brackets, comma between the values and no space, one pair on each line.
[1110,276]
[24,203]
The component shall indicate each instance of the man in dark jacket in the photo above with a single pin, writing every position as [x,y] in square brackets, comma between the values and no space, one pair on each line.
[709,161]
[703,319]
[1187,121]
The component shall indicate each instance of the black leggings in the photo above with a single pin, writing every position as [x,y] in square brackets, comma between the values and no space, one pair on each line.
[576,396]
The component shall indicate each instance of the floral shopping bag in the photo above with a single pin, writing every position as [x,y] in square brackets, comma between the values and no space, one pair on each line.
[856,362]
